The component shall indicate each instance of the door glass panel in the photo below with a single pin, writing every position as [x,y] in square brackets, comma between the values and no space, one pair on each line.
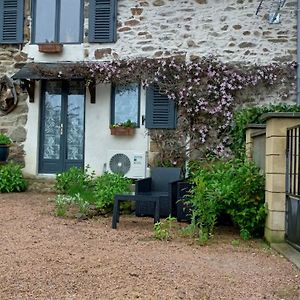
[52,119]
[75,121]
[45,21]
[70,11]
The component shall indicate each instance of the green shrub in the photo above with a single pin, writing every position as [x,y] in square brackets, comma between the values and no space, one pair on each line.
[233,187]
[249,115]
[75,180]
[11,178]
[163,230]
[4,139]
[106,186]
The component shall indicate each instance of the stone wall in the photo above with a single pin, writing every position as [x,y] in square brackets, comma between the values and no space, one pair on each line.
[227,29]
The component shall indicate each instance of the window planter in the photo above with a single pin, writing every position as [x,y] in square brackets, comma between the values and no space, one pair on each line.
[51,48]
[122,131]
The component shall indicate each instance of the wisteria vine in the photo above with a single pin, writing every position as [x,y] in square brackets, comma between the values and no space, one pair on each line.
[206,94]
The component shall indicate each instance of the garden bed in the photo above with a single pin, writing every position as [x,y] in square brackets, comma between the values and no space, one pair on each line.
[46,257]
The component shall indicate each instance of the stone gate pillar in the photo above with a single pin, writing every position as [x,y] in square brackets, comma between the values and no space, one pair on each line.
[276,130]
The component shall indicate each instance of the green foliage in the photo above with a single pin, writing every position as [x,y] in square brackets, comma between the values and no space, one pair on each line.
[126,124]
[234,187]
[163,230]
[86,193]
[75,180]
[64,202]
[252,115]
[4,139]
[106,186]
[11,178]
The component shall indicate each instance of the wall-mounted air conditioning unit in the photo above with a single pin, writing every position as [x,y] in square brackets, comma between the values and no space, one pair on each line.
[131,164]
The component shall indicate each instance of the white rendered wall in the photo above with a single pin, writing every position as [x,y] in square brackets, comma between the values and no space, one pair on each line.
[32,127]
[98,140]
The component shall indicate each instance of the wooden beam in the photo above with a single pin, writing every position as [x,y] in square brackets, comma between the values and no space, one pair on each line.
[92,90]
[29,86]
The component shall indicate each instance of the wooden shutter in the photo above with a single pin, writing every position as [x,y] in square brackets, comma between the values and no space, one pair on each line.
[160,110]
[11,21]
[102,21]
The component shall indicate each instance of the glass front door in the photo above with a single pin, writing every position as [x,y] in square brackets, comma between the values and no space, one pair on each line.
[62,126]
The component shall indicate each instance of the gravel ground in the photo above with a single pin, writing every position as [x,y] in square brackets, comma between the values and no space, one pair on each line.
[45,257]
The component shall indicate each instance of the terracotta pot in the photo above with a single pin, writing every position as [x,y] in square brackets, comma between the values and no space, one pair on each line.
[50,48]
[122,131]
[4,152]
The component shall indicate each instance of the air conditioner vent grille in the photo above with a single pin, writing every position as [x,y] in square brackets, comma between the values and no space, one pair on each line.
[120,163]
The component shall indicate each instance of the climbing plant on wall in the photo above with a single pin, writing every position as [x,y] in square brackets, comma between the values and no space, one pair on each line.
[206,93]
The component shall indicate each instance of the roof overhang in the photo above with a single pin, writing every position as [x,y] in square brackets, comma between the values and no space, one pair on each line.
[49,71]
[31,72]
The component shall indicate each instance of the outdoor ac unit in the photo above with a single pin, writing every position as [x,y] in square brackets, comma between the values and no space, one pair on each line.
[131,164]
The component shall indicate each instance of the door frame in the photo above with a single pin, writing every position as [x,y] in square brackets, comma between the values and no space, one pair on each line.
[62,161]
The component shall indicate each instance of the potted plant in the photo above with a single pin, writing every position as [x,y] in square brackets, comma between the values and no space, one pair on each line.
[5,142]
[50,47]
[125,128]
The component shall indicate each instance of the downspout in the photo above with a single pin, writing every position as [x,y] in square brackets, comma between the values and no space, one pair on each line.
[298,52]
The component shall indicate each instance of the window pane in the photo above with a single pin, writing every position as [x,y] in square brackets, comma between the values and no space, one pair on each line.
[126,103]
[70,21]
[52,120]
[44,21]
[75,129]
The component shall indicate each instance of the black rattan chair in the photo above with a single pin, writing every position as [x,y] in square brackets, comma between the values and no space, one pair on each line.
[158,184]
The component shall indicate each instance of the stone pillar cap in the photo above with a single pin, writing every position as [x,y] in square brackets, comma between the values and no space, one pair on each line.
[255,126]
[279,115]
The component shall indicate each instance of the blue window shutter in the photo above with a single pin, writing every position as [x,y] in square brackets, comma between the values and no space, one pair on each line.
[160,110]
[11,21]
[102,21]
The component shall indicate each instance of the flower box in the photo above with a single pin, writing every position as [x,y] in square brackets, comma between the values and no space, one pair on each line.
[51,48]
[122,130]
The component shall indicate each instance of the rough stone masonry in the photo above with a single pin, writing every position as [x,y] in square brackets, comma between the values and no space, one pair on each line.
[227,29]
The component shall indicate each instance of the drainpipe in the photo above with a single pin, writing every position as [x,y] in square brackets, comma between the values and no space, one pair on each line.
[298,52]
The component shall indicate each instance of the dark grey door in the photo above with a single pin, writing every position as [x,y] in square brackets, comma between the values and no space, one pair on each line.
[61,126]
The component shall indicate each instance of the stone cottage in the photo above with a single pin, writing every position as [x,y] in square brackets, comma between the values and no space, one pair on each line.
[60,123]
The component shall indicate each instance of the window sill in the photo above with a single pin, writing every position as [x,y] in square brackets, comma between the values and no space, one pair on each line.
[50,48]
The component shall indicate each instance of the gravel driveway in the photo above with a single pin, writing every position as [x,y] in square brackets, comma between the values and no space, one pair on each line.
[45,257]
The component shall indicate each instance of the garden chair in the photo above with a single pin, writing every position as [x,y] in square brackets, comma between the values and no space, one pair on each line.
[158,184]
[153,196]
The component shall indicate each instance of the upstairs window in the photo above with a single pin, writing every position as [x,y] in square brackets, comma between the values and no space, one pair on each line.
[125,104]
[58,21]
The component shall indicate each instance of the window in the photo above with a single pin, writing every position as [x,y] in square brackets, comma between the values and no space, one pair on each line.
[58,21]
[160,110]
[125,104]
[11,21]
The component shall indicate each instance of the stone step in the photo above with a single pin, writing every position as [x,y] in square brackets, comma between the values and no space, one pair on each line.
[42,185]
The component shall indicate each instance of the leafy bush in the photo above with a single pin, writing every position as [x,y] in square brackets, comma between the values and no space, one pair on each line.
[163,230]
[11,178]
[86,193]
[64,202]
[106,186]
[249,115]
[75,180]
[233,187]
[4,139]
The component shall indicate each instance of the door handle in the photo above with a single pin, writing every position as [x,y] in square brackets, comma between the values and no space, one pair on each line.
[61,129]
